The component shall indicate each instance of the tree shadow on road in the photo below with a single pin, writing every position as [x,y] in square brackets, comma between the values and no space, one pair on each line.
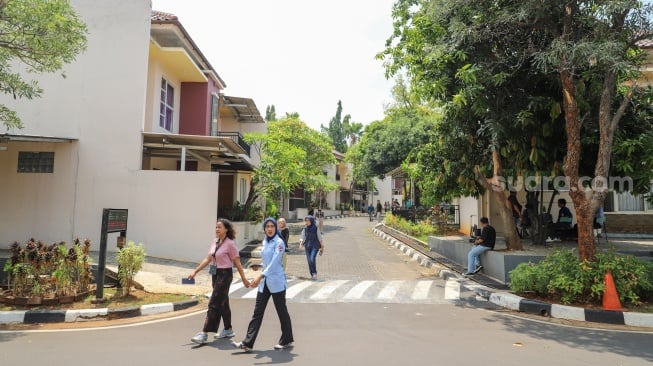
[624,343]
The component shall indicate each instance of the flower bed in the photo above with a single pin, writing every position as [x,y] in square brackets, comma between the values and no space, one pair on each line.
[52,274]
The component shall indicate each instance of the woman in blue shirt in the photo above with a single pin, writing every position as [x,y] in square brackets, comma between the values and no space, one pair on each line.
[271,282]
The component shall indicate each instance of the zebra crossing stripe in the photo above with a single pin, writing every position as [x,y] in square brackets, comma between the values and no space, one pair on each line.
[296,289]
[357,291]
[452,290]
[235,287]
[326,290]
[421,291]
[250,294]
[390,290]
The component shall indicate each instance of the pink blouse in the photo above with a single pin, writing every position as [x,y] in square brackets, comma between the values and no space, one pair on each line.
[226,254]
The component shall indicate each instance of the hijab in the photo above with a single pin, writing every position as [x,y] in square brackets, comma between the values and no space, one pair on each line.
[313,227]
[276,228]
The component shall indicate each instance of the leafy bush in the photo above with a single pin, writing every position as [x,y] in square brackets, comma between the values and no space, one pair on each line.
[563,276]
[130,261]
[419,230]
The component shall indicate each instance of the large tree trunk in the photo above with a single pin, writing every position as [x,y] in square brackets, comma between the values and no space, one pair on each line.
[573,123]
[500,193]
[587,200]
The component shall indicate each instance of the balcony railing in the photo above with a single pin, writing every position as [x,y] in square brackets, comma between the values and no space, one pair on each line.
[237,138]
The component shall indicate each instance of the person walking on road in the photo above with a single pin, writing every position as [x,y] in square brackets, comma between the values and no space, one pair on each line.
[482,244]
[379,208]
[223,255]
[271,282]
[311,241]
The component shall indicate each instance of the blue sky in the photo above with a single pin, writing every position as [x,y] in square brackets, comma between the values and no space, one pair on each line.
[302,56]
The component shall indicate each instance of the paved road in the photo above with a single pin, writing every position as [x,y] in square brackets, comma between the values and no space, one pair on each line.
[353,252]
[344,334]
[370,307]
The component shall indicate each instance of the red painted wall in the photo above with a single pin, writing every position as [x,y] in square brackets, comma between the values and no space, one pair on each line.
[195,109]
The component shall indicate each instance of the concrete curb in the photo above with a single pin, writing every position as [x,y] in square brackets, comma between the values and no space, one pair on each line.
[511,301]
[79,315]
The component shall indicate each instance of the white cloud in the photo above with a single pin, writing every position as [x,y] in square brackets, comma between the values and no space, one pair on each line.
[302,56]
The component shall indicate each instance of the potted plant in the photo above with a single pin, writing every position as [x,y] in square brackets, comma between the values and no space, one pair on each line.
[36,297]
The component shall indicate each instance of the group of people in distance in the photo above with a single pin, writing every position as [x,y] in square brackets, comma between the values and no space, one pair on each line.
[487,239]
[271,281]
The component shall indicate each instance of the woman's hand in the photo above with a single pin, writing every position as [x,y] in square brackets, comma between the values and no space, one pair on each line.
[246,283]
[256,281]
[192,275]
[321,250]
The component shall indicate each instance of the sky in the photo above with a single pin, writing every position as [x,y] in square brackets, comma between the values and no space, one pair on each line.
[301,56]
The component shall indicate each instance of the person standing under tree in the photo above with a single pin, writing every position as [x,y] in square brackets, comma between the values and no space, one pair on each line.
[223,255]
[271,282]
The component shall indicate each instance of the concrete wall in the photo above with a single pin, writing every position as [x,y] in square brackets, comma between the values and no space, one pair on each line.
[38,205]
[469,213]
[101,104]
[496,264]
[631,223]
[171,220]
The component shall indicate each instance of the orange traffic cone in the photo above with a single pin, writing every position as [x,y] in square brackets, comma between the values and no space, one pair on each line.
[610,296]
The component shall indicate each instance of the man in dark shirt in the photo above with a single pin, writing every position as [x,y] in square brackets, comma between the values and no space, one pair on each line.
[482,244]
[564,223]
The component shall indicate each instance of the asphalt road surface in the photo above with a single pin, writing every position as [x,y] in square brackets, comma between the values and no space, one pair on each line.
[339,334]
[370,307]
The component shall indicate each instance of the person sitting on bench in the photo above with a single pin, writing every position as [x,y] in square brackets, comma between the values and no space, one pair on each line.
[563,225]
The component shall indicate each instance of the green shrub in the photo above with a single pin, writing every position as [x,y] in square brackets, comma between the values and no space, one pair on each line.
[563,276]
[130,261]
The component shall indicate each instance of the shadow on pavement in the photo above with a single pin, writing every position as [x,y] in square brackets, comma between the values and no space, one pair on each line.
[594,340]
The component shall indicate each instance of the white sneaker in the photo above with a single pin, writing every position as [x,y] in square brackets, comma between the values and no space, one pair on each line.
[226,333]
[283,346]
[549,240]
[199,338]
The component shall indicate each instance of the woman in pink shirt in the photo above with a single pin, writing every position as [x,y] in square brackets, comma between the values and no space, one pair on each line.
[223,255]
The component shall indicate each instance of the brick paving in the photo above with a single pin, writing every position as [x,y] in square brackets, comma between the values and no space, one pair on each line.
[353,252]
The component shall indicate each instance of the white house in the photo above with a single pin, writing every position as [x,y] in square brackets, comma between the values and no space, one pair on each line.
[140,123]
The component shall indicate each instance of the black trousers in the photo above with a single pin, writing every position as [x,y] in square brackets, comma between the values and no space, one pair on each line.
[262,299]
[219,302]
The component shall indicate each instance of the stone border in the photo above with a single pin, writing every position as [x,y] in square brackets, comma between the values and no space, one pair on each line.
[80,315]
[511,301]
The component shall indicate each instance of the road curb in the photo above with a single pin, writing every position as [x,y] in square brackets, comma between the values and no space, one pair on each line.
[78,315]
[514,302]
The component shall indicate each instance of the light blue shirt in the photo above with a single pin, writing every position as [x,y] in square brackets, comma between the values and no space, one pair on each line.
[272,256]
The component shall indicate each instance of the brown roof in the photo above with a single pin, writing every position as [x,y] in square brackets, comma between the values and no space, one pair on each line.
[162,16]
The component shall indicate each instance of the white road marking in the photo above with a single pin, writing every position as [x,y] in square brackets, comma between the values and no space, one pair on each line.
[251,294]
[236,286]
[296,289]
[452,290]
[357,291]
[421,291]
[390,290]
[326,290]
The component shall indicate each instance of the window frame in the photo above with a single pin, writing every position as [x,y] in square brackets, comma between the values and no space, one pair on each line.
[167,105]
[35,162]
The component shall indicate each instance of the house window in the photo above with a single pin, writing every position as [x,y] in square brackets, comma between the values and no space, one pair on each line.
[35,162]
[167,105]
[243,190]
[214,116]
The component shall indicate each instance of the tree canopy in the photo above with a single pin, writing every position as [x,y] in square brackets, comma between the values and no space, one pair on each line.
[528,82]
[292,155]
[35,36]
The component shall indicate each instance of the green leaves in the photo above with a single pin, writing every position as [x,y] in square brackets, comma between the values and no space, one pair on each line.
[292,155]
[41,36]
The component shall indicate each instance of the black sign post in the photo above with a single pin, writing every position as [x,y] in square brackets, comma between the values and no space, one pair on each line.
[113,220]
